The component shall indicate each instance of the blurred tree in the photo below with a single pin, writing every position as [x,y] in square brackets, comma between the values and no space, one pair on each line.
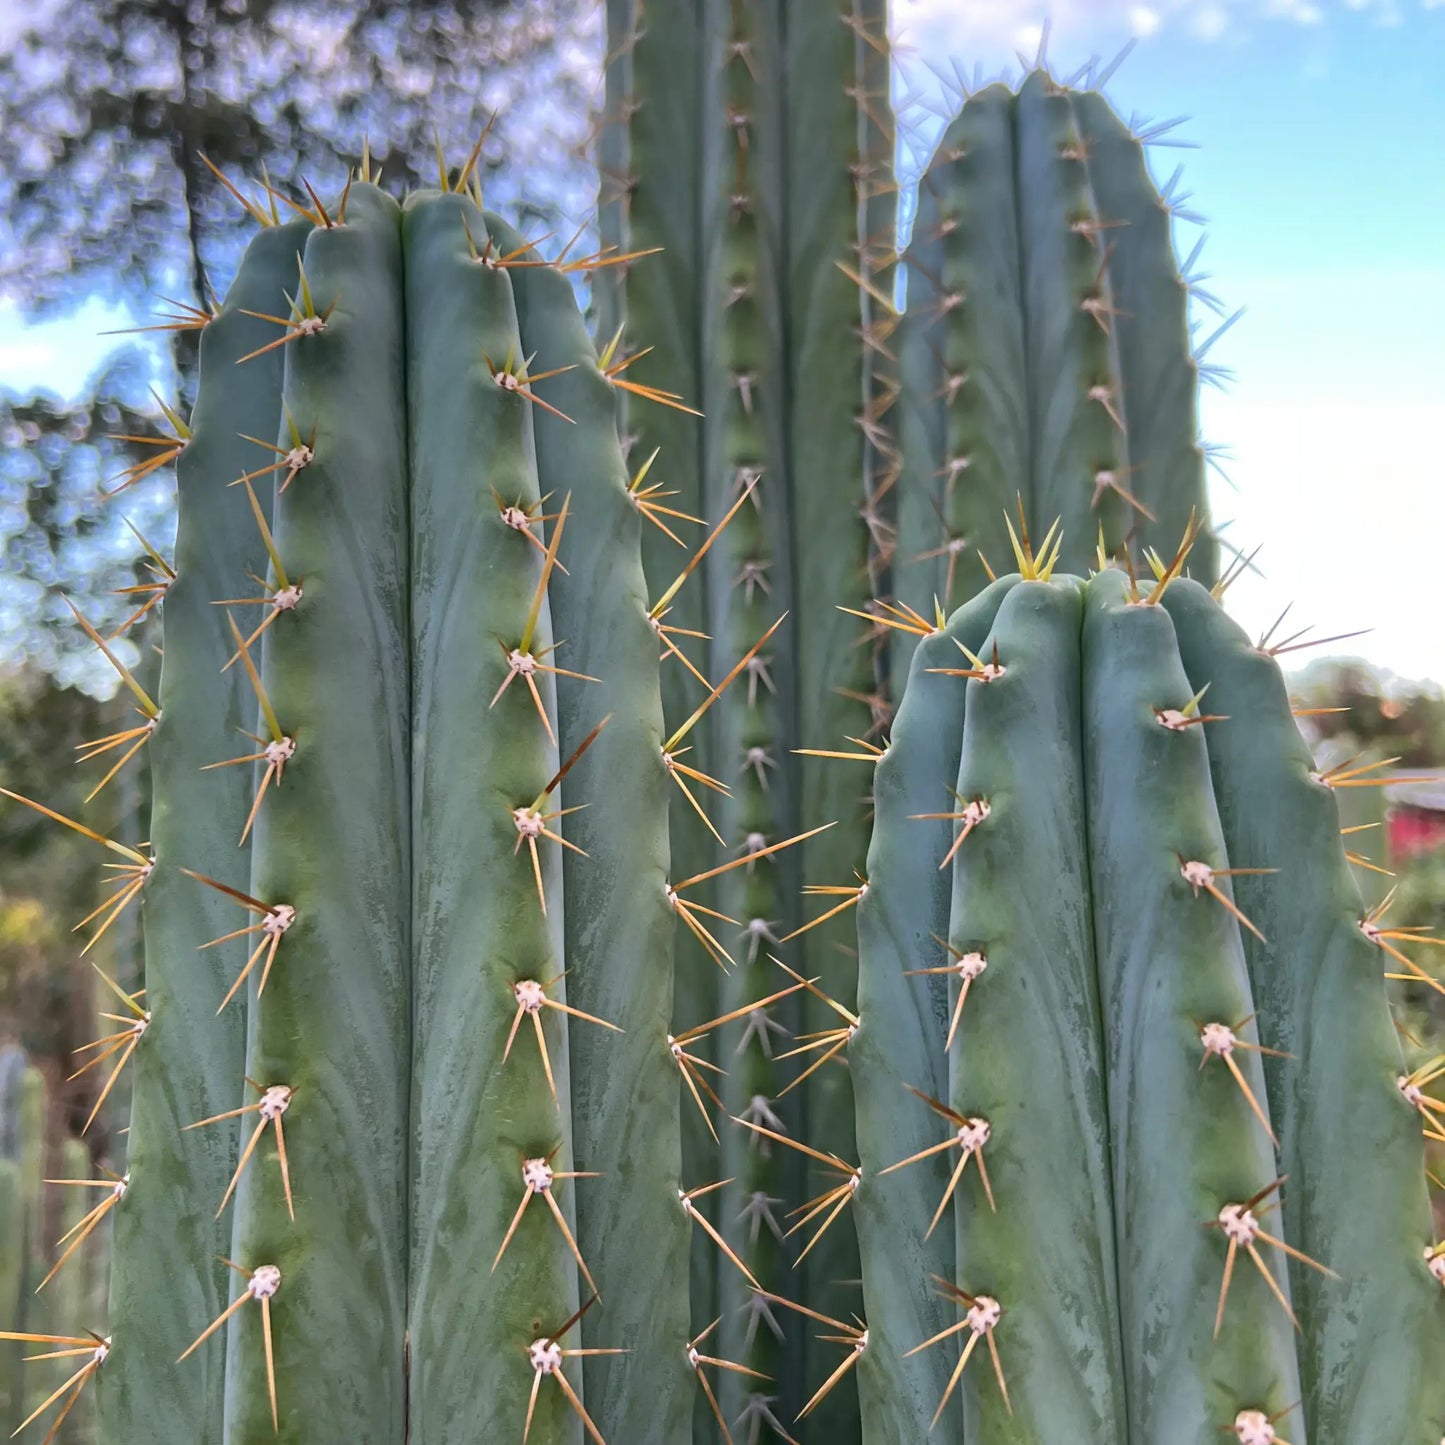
[48,993]
[105,109]
[105,104]
[1394,717]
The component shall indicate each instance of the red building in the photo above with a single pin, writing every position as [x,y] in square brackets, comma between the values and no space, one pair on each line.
[1415,817]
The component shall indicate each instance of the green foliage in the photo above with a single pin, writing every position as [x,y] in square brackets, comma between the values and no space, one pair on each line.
[1169,1030]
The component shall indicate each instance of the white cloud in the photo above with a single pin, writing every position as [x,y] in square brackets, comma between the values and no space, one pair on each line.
[996,29]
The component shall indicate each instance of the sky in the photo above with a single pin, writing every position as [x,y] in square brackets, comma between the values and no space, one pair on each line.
[1317,128]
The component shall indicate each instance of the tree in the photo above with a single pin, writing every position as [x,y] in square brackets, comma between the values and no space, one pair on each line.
[106,108]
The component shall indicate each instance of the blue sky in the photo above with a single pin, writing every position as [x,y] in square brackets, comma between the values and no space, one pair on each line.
[1318,125]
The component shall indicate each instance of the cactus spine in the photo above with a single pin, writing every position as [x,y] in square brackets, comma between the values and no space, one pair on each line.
[40,1218]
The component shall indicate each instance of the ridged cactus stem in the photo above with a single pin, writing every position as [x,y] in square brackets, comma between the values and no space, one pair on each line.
[1025,1115]
[1349,1138]
[188,1067]
[747,594]
[831,427]
[619,928]
[1188,1110]
[658,72]
[330,1007]
[906,1003]
[492,1076]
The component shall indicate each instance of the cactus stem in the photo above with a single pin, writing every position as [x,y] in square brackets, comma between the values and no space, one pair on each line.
[1222,1040]
[295,458]
[261,1285]
[115,1187]
[276,919]
[1200,875]
[538,1176]
[648,502]
[1254,1427]
[531,997]
[970,814]
[93,1345]
[981,1319]
[304,320]
[1240,1223]
[545,1357]
[275,1100]
[686,1198]
[122,1042]
[850,893]
[968,966]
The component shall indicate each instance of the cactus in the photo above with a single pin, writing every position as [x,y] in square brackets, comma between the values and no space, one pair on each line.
[1160,1123]
[767,310]
[39,1226]
[1045,351]
[438,885]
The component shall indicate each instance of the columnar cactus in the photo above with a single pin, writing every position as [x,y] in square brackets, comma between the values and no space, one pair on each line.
[1045,352]
[1156,1146]
[44,1224]
[449,1130]
[769,310]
